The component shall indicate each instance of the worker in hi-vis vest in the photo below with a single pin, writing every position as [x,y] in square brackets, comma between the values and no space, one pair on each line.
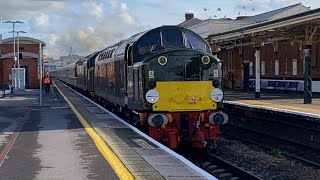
[47,81]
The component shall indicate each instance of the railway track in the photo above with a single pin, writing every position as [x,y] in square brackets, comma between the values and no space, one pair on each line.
[295,128]
[220,168]
[278,146]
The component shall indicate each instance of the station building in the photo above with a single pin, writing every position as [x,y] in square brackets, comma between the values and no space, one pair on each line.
[29,49]
[282,50]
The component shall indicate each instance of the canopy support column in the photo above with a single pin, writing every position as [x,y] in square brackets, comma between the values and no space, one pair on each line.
[309,33]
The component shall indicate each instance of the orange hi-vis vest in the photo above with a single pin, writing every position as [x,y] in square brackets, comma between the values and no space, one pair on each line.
[46,79]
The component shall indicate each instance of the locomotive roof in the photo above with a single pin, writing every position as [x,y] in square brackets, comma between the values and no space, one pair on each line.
[139,35]
[117,50]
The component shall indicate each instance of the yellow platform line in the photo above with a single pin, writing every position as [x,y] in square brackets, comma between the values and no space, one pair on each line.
[279,106]
[113,160]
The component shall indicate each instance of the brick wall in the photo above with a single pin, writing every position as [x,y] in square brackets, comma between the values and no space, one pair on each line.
[6,64]
[1,73]
[286,53]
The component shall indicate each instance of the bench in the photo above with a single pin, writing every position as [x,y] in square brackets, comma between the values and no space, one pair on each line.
[270,85]
[252,84]
[292,86]
[281,85]
[275,85]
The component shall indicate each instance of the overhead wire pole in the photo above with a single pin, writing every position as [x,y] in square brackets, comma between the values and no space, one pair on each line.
[14,53]
[41,75]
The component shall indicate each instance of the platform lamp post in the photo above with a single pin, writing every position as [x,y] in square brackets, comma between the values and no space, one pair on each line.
[18,51]
[14,51]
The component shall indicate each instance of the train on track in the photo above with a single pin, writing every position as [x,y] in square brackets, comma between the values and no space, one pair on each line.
[165,81]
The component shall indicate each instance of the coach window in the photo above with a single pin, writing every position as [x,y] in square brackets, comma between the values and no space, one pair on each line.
[231,65]
[194,42]
[172,38]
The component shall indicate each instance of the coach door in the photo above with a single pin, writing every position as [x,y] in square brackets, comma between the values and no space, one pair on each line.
[91,79]
[129,74]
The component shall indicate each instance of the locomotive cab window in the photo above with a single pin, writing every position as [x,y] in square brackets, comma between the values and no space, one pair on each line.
[172,38]
[148,44]
[194,42]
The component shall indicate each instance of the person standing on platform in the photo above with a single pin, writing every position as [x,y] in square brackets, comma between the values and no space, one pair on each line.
[47,82]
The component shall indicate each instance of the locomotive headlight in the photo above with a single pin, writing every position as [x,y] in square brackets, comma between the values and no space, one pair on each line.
[152,96]
[162,60]
[205,59]
[216,95]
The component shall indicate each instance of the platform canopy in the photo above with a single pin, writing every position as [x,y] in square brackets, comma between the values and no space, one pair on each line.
[300,28]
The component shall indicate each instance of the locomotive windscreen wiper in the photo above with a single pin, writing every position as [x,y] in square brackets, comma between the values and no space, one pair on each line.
[190,45]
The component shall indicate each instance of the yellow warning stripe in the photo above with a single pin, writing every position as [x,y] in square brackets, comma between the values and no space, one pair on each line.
[280,106]
[113,160]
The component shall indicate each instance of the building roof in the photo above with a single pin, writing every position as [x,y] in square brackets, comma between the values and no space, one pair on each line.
[191,22]
[268,15]
[298,21]
[36,41]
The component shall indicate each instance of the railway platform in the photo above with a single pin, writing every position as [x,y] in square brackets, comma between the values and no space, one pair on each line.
[70,137]
[278,102]
[283,116]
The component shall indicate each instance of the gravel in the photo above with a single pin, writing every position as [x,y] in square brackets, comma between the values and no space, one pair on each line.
[265,164]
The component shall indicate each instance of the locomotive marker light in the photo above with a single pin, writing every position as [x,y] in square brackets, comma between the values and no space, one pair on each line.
[205,59]
[216,95]
[162,60]
[152,96]
[158,120]
[218,118]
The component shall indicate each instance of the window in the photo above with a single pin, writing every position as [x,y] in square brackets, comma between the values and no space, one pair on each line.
[251,69]
[194,42]
[230,61]
[263,68]
[149,43]
[294,67]
[314,57]
[276,67]
[172,38]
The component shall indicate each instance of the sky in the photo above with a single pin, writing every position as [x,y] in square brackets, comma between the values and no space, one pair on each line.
[91,25]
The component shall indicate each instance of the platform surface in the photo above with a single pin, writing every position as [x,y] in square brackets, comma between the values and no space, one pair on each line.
[290,103]
[46,142]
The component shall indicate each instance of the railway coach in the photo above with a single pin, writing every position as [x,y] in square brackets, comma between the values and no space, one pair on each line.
[164,81]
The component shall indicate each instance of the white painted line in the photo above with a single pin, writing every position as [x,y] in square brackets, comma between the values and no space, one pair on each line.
[178,156]
[275,109]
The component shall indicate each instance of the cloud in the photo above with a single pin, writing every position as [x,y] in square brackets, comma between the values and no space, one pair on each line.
[125,15]
[96,9]
[25,9]
[42,20]
[84,25]
[92,25]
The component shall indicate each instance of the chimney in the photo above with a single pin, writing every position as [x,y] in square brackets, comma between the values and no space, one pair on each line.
[189,16]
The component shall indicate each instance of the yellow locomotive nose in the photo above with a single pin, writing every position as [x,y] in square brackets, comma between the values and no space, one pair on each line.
[184,96]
